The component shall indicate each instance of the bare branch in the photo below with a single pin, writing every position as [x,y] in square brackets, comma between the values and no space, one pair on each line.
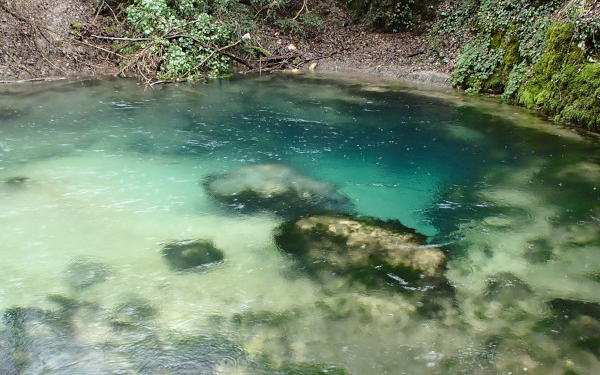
[124,39]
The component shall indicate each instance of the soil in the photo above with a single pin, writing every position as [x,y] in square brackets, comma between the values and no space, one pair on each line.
[43,39]
[352,47]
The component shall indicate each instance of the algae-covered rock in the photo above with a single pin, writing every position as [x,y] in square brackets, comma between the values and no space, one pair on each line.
[577,322]
[507,303]
[131,313]
[275,188]
[364,249]
[41,342]
[192,254]
[83,273]
[36,341]
[291,368]
[16,183]
[195,355]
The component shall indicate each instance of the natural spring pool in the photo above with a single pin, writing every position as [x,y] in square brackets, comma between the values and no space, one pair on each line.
[99,177]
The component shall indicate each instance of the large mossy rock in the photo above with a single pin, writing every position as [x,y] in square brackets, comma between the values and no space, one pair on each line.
[189,255]
[363,249]
[275,188]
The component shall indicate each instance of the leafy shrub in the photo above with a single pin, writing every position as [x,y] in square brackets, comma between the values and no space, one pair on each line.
[183,38]
[388,15]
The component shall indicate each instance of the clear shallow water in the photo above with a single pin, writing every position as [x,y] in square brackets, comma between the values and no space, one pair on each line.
[106,172]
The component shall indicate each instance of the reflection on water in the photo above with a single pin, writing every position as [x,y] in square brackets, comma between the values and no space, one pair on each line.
[98,178]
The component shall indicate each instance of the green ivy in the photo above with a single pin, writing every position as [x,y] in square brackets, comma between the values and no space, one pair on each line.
[564,83]
[537,53]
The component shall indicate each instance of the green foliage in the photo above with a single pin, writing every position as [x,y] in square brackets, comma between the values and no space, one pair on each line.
[386,15]
[477,65]
[185,35]
[507,33]
[517,48]
[564,83]
[397,15]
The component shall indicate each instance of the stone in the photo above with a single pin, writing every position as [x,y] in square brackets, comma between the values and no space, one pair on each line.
[275,188]
[195,355]
[364,249]
[133,312]
[192,254]
[84,273]
[17,182]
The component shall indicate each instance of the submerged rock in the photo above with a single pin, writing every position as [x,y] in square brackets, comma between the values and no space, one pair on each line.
[507,303]
[578,323]
[192,254]
[83,273]
[506,287]
[292,368]
[17,182]
[131,313]
[7,365]
[195,355]
[36,341]
[42,342]
[275,188]
[363,249]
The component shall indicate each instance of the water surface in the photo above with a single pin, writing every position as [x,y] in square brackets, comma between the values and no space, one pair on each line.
[96,176]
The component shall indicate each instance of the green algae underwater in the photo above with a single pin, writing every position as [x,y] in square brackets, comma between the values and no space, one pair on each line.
[99,179]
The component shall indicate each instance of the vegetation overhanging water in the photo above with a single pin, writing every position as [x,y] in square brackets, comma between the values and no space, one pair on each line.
[98,179]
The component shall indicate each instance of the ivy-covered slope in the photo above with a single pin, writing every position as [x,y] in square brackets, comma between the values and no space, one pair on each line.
[542,54]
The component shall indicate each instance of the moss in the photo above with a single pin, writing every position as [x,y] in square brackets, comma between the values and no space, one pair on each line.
[76,25]
[358,249]
[564,84]
[192,254]
[511,56]
[495,83]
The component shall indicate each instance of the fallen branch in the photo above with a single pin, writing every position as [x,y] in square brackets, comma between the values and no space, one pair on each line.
[220,50]
[416,53]
[212,53]
[13,13]
[301,9]
[47,79]
[123,39]
[14,59]
[44,56]
[98,47]
[138,56]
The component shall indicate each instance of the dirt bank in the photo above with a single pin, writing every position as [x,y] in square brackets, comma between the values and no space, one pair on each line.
[43,38]
[53,38]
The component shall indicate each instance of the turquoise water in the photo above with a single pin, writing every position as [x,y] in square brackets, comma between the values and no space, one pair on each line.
[96,176]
